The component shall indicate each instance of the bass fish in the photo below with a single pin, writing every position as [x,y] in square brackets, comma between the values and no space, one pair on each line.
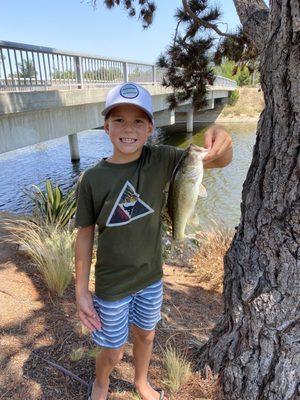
[185,188]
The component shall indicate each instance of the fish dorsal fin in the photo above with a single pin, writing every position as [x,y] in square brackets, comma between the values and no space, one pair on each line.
[202,191]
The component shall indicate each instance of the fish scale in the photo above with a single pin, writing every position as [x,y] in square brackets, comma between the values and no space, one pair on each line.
[185,188]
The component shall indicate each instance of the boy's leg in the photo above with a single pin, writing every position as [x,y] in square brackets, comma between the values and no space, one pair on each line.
[142,350]
[106,360]
[111,337]
[144,313]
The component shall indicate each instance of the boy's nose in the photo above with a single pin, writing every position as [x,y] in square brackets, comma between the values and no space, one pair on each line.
[129,127]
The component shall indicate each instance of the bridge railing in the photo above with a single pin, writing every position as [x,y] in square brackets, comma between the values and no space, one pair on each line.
[26,67]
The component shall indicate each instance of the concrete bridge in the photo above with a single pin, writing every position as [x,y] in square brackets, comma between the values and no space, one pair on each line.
[47,93]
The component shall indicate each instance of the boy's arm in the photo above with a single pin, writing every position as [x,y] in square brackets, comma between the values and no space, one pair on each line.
[83,257]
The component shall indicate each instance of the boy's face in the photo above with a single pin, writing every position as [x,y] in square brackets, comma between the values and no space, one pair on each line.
[128,128]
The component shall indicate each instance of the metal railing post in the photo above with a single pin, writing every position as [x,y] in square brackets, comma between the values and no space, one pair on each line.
[79,75]
[153,74]
[125,71]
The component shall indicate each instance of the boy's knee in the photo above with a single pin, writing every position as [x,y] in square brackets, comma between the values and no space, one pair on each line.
[114,356]
[142,335]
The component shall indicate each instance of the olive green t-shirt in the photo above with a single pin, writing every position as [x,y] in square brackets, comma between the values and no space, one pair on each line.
[125,201]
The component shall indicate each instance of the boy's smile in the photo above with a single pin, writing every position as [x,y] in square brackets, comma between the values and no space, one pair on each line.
[128,127]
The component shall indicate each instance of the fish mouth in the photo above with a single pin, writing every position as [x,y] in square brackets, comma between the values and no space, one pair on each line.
[194,147]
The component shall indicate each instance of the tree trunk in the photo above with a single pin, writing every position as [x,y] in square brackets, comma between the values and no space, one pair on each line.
[255,347]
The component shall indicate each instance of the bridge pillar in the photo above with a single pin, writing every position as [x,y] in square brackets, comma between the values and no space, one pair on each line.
[190,120]
[74,149]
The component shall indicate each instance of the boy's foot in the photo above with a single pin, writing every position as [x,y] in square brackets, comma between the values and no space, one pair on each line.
[146,392]
[99,392]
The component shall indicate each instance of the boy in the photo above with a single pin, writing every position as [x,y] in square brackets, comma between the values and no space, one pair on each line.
[123,195]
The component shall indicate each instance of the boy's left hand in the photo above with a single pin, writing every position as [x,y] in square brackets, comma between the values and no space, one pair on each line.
[219,143]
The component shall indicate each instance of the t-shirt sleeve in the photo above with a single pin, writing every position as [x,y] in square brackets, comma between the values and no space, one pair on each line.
[85,213]
[171,156]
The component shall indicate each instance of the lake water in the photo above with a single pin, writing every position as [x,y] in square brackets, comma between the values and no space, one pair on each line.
[51,160]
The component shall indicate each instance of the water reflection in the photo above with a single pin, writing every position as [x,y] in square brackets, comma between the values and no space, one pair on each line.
[51,160]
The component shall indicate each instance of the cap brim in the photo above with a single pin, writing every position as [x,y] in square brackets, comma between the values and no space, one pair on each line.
[108,109]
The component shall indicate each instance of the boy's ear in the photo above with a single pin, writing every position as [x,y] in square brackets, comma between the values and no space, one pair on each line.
[150,129]
[106,126]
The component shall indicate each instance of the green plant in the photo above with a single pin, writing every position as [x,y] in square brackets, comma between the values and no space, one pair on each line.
[136,396]
[50,247]
[93,352]
[177,367]
[244,78]
[77,354]
[51,205]
[233,97]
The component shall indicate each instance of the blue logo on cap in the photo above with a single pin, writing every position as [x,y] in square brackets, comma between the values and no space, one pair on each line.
[129,91]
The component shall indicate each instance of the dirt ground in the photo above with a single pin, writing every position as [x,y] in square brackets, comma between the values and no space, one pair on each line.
[36,328]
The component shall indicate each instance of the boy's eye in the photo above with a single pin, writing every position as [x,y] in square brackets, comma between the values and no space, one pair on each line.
[118,120]
[139,121]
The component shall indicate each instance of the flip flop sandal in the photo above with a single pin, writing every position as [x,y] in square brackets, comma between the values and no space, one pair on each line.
[162,395]
[89,390]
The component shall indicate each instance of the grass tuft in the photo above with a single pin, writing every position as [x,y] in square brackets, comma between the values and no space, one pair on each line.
[77,354]
[136,396]
[177,367]
[93,352]
[51,248]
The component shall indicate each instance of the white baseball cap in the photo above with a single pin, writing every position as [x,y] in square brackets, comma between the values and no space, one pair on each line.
[129,93]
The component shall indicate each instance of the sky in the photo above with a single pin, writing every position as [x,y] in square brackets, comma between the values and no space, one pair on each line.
[74,25]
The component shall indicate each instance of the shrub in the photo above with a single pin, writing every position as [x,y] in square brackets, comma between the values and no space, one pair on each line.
[50,247]
[233,97]
[51,206]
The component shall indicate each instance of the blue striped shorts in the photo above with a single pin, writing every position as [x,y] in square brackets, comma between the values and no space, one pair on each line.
[141,309]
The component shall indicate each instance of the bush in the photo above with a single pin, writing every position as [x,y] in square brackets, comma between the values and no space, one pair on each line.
[51,206]
[233,97]
[244,78]
[50,247]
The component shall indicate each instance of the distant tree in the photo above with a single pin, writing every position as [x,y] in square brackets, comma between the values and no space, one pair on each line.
[112,74]
[255,345]
[27,69]
[241,75]
[68,74]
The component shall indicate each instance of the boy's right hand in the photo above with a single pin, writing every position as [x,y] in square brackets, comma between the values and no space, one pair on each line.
[86,311]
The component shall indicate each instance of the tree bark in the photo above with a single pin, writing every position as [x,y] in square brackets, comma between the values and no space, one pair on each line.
[254,15]
[255,347]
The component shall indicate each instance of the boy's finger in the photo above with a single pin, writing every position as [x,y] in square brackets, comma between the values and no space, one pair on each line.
[94,314]
[208,140]
[95,323]
[225,147]
[90,315]
[87,324]
[215,150]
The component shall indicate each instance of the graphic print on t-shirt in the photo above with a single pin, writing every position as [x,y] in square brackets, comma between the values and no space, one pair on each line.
[128,207]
